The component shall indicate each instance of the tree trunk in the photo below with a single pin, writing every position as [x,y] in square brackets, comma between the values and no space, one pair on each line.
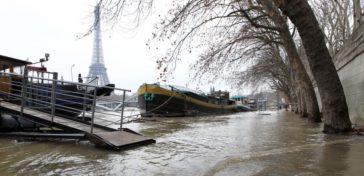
[357,13]
[300,102]
[293,100]
[309,101]
[313,110]
[309,105]
[304,105]
[335,110]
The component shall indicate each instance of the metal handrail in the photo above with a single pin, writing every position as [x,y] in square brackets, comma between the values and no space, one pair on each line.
[70,82]
[42,93]
[41,102]
[49,91]
[64,108]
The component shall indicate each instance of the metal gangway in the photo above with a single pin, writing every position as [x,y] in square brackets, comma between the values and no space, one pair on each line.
[118,106]
[65,109]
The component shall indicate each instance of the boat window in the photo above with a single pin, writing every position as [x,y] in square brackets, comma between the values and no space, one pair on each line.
[18,70]
[5,68]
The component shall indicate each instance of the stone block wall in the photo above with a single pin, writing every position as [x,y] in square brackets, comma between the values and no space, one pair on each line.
[349,62]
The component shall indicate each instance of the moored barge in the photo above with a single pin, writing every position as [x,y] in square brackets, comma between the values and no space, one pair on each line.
[174,101]
[70,99]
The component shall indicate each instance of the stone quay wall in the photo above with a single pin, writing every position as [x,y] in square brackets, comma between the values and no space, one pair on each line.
[349,63]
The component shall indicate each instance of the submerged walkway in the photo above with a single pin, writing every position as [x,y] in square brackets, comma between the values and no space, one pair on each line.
[100,135]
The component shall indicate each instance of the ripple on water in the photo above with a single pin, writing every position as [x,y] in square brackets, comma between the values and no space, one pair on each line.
[273,156]
[237,144]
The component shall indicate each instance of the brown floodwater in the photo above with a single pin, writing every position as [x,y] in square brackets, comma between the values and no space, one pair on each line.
[251,143]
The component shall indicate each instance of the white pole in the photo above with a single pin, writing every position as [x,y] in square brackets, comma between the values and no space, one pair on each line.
[71,72]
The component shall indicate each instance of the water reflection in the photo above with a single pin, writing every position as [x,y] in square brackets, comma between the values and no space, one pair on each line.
[237,144]
[333,158]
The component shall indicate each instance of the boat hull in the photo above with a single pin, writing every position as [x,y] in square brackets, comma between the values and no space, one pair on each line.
[156,101]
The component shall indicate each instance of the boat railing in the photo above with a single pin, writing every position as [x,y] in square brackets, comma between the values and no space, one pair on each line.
[59,97]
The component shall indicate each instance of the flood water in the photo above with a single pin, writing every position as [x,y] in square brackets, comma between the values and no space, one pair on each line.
[280,143]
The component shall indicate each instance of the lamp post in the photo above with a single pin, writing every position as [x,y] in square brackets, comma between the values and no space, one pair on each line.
[71,72]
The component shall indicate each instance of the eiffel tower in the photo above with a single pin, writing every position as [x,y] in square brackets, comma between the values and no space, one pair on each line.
[97,73]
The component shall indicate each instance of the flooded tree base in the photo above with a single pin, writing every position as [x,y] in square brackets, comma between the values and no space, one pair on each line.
[328,129]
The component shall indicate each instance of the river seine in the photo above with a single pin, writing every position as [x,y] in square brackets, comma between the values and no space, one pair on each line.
[269,143]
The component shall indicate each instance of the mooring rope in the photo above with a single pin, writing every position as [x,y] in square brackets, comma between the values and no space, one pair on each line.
[136,115]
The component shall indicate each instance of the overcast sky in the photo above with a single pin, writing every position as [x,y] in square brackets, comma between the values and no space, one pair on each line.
[31,28]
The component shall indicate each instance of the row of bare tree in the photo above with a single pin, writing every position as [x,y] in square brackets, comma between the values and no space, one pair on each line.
[255,42]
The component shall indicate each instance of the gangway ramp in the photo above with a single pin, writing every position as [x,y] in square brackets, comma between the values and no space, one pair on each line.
[99,135]
[60,107]
[119,139]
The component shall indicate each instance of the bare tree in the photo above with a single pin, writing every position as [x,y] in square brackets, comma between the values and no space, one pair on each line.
[241,31]
[114,11]
[357,14]
[335,110]
[299,75]
[271,68]
[336,21]
[231,34]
